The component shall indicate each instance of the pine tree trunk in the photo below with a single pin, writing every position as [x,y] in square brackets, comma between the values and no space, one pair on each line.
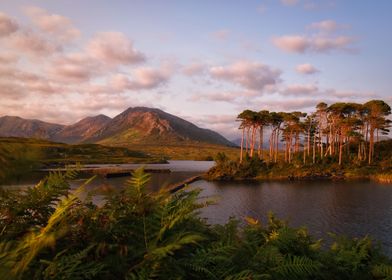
[242,144]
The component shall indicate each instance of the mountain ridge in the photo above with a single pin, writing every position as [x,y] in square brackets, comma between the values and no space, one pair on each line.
[135,125]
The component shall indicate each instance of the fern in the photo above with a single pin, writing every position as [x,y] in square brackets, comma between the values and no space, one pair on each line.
[297,267]
[382,271]
[75,266]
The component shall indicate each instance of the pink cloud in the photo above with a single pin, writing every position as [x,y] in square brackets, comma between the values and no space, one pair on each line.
[11,90]
[300,90]
[34,44]
[8,58]
[327,26]
[194,69]
[292,43]
[224,96]
[321,42]
[74,67]
[250,75]
[54,24]
[317,44]
[142,78]
[7,25]
[306,69]
[114,48]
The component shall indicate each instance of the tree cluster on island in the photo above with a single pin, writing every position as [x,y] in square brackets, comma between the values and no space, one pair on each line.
[336,136]
[328,131]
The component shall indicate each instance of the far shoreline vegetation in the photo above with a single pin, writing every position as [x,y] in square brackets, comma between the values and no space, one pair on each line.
[20,157]
[339,141]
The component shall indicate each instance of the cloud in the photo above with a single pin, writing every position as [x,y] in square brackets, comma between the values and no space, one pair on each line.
[316,44]
[74,67]
[7,25]
[10,90]
[289,2]
[306,69]
[300,90]
[114,48]
[142,78]
[34,44]
[292,43]
[41,78]
[291,104]
[322,41]
[54,24]
[326,26]
[250,75]
[222,34]
[8,58]
[194,69]
[223,124]
[224,96]
[349,94]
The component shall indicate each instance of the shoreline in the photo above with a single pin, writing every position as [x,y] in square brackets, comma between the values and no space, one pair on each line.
[381,178]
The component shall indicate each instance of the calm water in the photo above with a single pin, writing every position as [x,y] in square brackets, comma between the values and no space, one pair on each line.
[350,208]
[347,208]
[180,170]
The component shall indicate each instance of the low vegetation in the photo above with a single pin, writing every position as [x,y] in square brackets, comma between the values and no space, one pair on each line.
[19,156]
[51,232]
[187,151]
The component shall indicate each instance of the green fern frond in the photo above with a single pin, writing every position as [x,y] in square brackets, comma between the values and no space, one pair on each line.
[139,179]
[297,267]
[382,271]
[243,275]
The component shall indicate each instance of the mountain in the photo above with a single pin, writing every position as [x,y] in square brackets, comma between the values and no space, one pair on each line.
[82,130]
[11,126]
[142,125]
[138,125]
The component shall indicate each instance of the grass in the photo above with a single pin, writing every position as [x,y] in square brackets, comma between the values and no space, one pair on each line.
[193,151]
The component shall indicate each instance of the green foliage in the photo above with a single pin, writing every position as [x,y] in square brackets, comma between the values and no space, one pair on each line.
[226,169]
[53,232]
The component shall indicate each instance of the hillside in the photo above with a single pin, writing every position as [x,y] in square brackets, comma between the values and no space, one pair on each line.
[11,126]
[141,125]
[82,130]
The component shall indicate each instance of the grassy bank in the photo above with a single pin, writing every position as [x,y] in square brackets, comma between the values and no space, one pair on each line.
[327,168]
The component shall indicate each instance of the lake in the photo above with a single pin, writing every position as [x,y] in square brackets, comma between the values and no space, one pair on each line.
[353,208]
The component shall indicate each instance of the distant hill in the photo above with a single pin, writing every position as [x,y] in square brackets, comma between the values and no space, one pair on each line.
[138,125]
[11,126]
[82,130]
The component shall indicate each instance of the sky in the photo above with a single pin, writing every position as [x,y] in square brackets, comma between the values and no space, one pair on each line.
[205,61]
